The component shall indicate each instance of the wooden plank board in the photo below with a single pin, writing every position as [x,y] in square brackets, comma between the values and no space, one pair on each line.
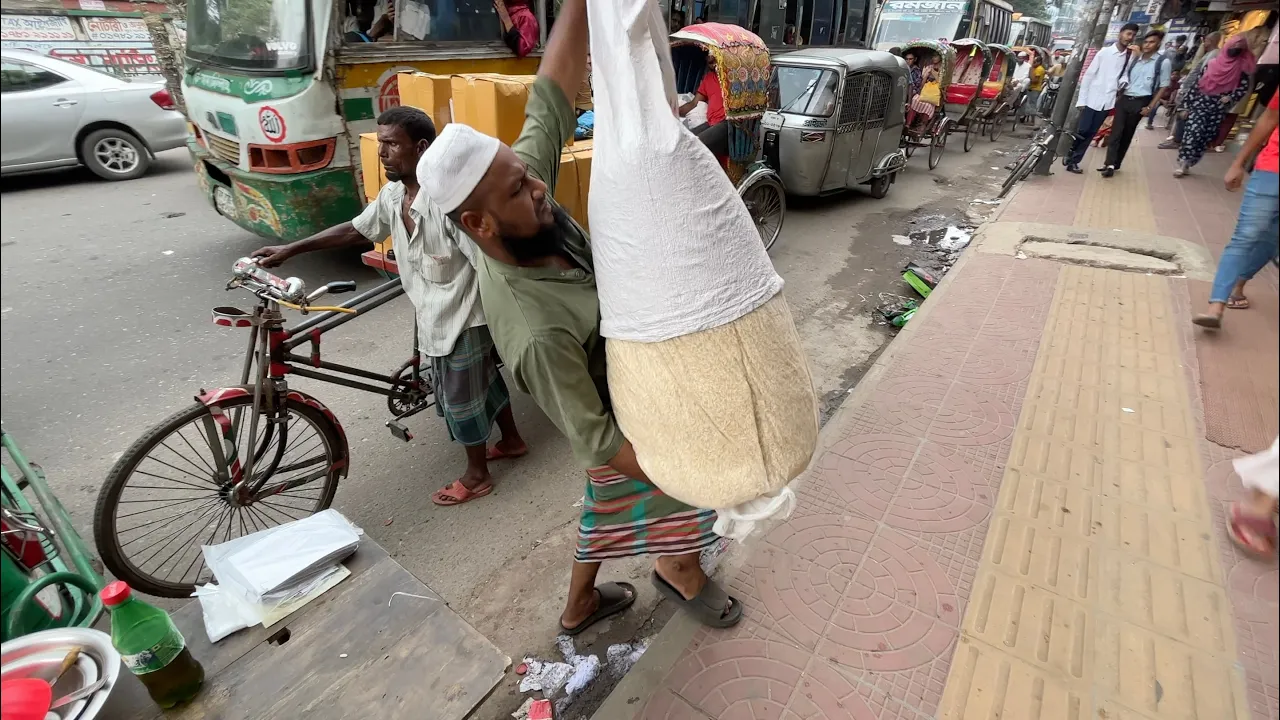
[415,659]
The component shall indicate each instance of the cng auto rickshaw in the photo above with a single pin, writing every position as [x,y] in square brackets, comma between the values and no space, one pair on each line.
[742,69]
[973,65]
[927,123]
[835,120]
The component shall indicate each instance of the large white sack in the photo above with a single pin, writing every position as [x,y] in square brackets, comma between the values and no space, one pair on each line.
[675,249]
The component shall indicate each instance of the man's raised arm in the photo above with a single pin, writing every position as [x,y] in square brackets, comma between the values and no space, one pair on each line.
[565,60]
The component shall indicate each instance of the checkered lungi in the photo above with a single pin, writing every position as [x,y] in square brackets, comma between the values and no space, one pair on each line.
[470,392]
[624,517]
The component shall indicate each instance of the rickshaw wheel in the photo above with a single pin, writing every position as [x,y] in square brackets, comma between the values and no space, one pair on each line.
[767,203]
[971,130]
[909,147]
[997,124]
[939,144]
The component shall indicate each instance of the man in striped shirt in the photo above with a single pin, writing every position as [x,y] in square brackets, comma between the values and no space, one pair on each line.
[437,267]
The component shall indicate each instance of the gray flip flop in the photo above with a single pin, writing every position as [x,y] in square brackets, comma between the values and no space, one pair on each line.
[614,598]
[708,606]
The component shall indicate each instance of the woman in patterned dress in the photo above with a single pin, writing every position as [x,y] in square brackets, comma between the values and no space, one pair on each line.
[1224,82]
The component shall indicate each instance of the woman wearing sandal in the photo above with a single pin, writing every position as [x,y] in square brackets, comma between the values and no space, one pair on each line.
[1252,525]
[1254,243]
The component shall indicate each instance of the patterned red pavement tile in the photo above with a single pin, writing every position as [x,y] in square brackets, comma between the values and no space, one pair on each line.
[751,679]
[939,494]
[900,612]
[865,471]
[971,417]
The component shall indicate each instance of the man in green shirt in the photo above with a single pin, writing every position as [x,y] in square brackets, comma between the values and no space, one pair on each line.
[539,295]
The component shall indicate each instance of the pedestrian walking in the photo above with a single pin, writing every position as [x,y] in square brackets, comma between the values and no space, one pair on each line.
[1208,51]
[1255,240]
[1098,90]
[1143,87]
[1223,83]
[437,268]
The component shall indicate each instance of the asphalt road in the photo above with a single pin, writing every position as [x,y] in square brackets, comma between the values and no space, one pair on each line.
[105,298]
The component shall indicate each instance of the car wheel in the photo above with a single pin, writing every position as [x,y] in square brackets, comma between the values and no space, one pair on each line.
[114,154]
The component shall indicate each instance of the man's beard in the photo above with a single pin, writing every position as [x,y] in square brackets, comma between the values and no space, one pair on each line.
[547,241]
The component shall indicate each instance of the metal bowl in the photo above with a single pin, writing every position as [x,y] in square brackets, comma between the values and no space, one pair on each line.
[40,655]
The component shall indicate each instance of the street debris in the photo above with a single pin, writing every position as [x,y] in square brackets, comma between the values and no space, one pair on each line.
[420,597]
[980,201]
[563,681]
[1128,410]
[939,241]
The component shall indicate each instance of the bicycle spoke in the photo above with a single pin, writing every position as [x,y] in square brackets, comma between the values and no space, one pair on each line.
[162,477]
[208,465]
[267,512]
[144,512]
[164,521]
[182,547]
[199,471]
[168,539]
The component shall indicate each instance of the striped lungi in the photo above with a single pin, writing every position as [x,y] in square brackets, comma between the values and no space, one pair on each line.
[922,107]
[624,517]
[470,391]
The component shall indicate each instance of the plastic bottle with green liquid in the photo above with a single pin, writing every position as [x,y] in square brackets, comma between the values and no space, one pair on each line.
[152,647]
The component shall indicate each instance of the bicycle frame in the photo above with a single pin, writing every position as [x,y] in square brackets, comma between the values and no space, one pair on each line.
[272,349]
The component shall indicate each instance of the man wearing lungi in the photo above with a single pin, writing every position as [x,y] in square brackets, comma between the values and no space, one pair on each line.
[539,293]
[437,267]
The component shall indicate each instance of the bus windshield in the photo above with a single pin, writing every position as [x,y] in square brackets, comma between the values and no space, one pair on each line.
[250,34]
[902,21]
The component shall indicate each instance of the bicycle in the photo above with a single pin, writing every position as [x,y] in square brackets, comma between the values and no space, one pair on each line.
[213,480]
[1026,162]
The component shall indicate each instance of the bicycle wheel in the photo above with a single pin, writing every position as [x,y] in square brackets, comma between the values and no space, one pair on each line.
[971,130]
[1022,170]
[939,144]
[163,498]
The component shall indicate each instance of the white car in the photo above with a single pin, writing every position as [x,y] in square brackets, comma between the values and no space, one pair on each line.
[60,114]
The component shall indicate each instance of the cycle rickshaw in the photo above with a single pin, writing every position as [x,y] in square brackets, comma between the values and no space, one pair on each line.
[742,67]
[973,66]
[927,123]
[999,94]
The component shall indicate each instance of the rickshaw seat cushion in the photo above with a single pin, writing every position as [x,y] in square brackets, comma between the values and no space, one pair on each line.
[719,417]
[961,94]
[991,90]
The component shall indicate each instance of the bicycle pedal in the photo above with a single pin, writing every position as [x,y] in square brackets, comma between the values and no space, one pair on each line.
[399,430]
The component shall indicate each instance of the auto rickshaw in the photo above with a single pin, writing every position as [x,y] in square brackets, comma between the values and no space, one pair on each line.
[973,66]
[835,120]
[742,67]
[927,122]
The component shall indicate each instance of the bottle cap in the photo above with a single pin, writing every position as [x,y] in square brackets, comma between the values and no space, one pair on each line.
[115,593]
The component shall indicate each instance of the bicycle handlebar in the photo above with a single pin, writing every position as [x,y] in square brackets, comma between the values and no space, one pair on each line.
[290,291]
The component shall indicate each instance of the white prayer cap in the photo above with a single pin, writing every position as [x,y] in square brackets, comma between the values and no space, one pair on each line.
[453,166]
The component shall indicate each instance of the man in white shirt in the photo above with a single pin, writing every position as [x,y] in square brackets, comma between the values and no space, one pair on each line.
[1101,82]
[437,266]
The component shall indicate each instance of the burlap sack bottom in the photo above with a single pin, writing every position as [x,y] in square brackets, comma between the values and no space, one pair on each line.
[721,416]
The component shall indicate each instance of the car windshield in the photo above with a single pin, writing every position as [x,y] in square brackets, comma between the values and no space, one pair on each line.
[249,34]
[902,21]
[802,90]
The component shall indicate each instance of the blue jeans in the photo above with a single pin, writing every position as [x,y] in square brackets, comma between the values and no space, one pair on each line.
[1254,242]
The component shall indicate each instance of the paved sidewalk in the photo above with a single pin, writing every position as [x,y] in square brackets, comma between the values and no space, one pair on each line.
[1017,513]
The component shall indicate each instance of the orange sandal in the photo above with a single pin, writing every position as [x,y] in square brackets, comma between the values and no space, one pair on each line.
[1261,540]
[455,493]
[494,453]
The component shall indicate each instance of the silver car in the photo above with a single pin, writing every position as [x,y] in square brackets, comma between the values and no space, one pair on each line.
[60,114]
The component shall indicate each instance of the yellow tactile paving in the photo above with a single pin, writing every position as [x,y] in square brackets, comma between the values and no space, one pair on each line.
[1098,596]
[1120,202]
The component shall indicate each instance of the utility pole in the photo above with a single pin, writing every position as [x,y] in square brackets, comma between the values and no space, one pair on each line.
[168,54]
[1065,113]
